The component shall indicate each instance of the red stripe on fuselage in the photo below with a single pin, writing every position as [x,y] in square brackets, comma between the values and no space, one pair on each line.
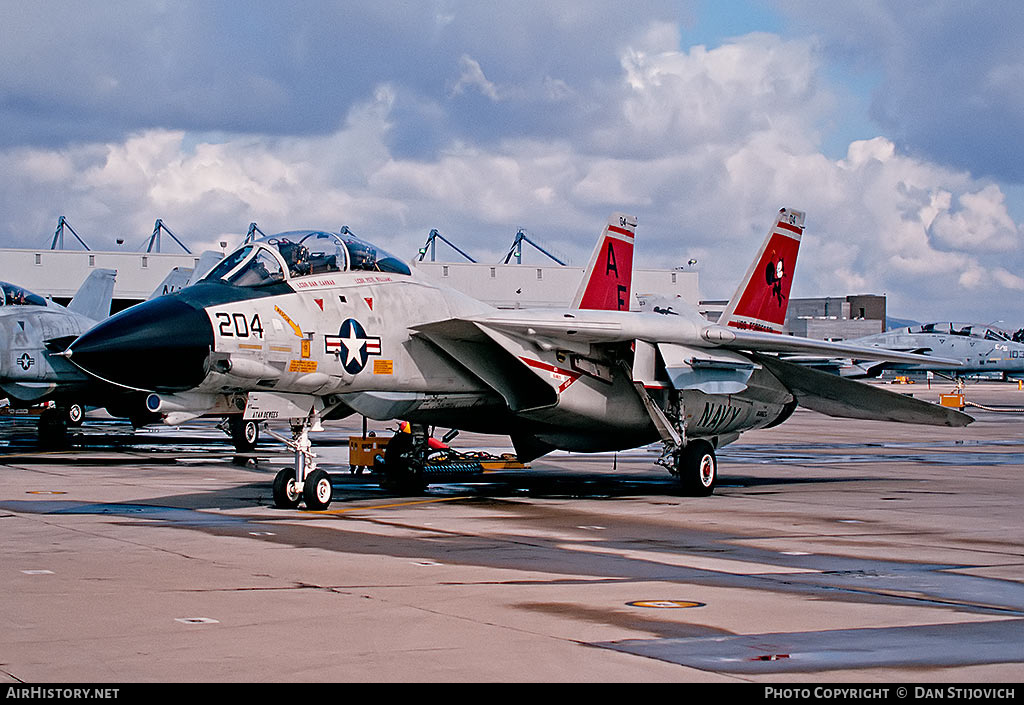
[571,374]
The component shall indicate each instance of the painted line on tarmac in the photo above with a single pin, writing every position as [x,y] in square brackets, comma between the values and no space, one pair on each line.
[35,453]
[390,506]
[686,560]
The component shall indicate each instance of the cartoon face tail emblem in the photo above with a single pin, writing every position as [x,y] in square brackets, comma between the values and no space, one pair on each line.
[352,345]
[774,274]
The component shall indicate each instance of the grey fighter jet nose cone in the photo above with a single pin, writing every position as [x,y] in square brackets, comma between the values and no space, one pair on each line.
[161,345]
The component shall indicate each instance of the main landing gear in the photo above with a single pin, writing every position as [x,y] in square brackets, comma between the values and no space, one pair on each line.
[695,464]
[304,482]
[692,460]
[245,434]
[54,422]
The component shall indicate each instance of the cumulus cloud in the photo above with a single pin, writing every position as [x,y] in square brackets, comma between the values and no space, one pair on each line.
[472,76]
[981,220]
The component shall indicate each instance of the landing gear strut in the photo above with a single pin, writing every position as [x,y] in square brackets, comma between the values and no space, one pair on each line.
[304,482]
[693,460]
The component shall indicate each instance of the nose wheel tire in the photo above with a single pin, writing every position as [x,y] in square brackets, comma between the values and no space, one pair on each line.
[317,490]
[698,468]
[286,492]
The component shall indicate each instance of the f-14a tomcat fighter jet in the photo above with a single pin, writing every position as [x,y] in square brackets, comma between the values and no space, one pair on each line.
[980,348]
[310,325]
[32,330]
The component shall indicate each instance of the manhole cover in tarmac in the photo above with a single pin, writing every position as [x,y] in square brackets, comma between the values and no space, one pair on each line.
[665,604]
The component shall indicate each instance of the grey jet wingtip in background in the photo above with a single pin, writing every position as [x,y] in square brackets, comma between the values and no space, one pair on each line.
[310,325]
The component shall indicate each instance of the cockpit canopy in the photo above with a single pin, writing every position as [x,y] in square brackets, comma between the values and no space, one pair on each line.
[970,330]
[301,253]
[16,296]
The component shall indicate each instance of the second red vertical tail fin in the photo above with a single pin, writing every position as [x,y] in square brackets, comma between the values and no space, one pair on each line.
[607,281]
[761,301]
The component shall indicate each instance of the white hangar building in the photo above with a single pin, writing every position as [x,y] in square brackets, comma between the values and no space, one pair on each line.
[57,274]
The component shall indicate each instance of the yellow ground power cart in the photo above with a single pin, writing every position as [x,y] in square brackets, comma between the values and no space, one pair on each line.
[362,449]
[953,401]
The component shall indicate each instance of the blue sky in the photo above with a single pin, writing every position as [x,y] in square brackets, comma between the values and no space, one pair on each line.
[894,125]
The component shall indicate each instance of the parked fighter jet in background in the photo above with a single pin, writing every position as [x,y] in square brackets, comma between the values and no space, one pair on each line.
[34,330]
[979,348]
[307,326]
[31,328]
[180,277]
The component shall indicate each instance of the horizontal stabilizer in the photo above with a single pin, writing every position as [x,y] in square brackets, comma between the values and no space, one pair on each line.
[836,396]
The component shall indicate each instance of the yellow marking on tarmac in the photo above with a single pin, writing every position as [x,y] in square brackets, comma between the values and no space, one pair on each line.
[293,324]
[666,604]
[390,506]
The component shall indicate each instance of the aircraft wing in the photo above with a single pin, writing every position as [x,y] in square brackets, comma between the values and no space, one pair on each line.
[836,396]
[573,329]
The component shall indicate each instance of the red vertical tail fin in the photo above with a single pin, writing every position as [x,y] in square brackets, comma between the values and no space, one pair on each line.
[607,281]
[762,298]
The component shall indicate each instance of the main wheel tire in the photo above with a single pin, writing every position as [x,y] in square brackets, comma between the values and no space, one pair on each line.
[317,490]
[244,434]
[397,470]
[698,468]
[286,492]
[53,429]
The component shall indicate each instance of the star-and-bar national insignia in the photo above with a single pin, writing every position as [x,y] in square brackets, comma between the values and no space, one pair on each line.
[352,346]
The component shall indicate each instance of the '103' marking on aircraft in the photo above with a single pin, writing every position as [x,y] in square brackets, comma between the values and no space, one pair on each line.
[307,326]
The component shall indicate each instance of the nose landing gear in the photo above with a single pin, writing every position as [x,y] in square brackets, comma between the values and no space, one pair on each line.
[304,482]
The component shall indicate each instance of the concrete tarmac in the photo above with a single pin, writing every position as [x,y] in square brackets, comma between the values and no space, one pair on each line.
[833,550]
